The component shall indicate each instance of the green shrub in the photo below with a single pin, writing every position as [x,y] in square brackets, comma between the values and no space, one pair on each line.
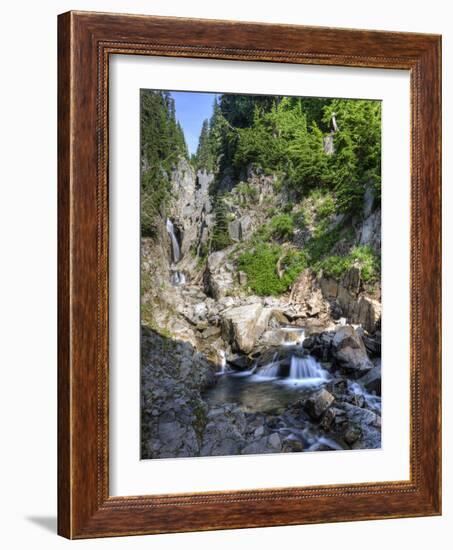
[326,207]
[260,266]
[335,266]
[281,226]
[299,219]
[362,256]
[368,261]
[321,244]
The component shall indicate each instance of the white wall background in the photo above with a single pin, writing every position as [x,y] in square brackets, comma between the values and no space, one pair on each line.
[28,125]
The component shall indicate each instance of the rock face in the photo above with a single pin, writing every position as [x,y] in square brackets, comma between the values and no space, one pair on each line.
[355,305]
[218,277]
[242,326]
[173,413]
[307,296]
[241,228]
[349,350]
[191,210]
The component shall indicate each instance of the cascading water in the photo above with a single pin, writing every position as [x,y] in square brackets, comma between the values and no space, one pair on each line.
[175,250]
[372,401]
[303,370]
[223,362]
[271,370]
[177,278]
[306,370]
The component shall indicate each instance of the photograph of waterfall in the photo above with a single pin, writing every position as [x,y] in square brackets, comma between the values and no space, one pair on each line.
[260,274]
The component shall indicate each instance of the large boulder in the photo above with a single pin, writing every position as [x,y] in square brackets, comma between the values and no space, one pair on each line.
[318,403]
[349,350]
[242,326]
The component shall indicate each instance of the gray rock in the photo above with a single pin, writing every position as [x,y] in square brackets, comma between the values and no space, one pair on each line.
[240,229]
[349,350]
[242,278]
[243,325]
[361,416]
[371,381]
[170,433]
[275,441]
[217,280]
[318,404]
[352,434]
[259,431]
[292,446]
[259,446]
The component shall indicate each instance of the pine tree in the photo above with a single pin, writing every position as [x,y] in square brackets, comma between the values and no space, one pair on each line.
[220,235]
[203,155]
[162,145]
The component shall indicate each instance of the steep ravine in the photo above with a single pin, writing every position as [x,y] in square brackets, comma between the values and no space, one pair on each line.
[227,372]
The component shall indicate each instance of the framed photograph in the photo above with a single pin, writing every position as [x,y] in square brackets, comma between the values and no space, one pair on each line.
[249,275]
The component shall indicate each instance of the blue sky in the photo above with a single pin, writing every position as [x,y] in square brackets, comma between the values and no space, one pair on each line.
[191,109]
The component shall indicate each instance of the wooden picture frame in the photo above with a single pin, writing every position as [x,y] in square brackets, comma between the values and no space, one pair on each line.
[85,42]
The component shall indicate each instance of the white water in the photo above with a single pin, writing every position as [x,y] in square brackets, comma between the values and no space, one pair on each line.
[176,251]
[223,363]
[269,371]
[324,441]
[372,401]
[178,278]
[306,370]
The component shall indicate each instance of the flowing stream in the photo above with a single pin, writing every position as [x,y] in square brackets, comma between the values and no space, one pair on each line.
[272,388]
[278,382]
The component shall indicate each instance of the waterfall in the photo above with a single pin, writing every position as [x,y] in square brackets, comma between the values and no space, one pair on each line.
[223,363]
[306,370]
[178,278]
[271,370]
[176,251]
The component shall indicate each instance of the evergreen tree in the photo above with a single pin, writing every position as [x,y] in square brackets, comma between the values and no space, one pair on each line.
[357,162]
[204,156]
[220,235]
[162,145]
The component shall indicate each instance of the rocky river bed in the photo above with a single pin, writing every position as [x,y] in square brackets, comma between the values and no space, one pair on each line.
[248,381]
